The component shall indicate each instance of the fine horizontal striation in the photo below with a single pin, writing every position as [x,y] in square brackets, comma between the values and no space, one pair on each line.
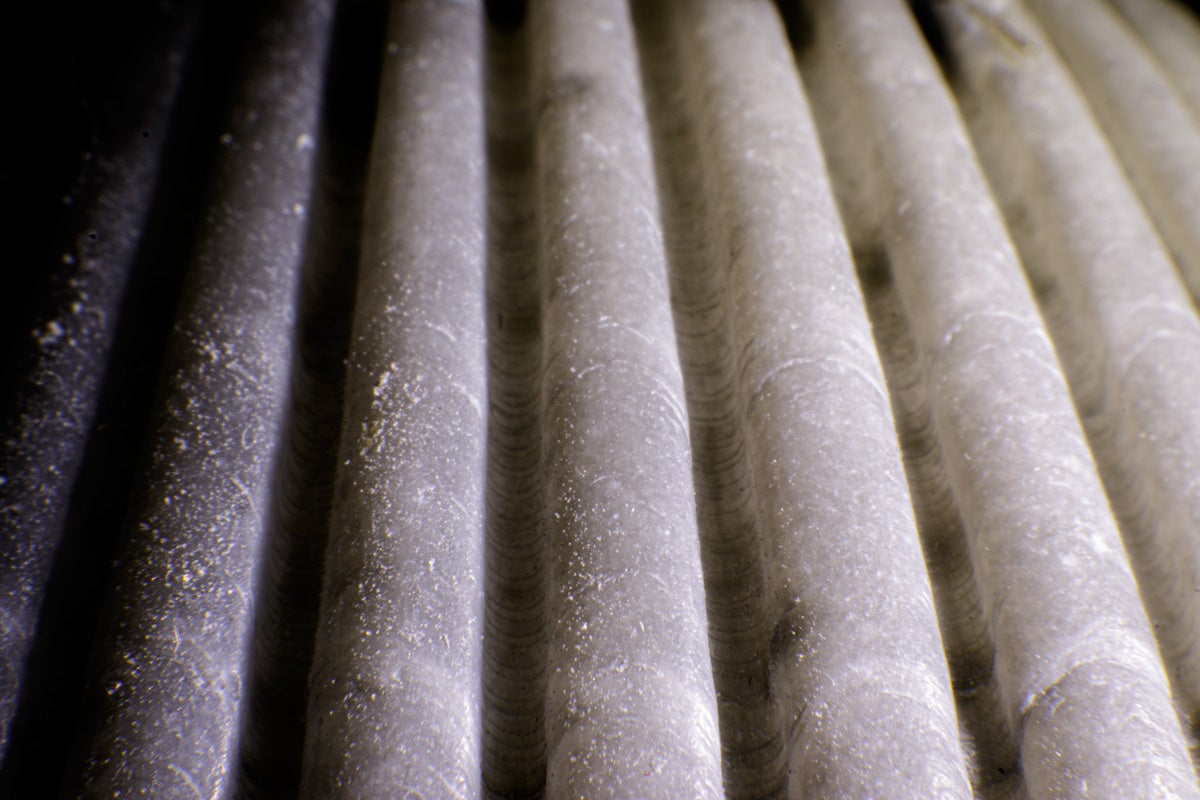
[753,748]
[515,630]
[988,744]
[1134,366]
[394,694]
[289,581]
[603,398]
[808,410]
[1071,635]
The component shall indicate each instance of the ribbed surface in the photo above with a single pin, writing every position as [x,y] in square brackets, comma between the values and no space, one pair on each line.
[591,398]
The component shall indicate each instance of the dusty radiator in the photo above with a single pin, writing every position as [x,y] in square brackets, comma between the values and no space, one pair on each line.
[681,398]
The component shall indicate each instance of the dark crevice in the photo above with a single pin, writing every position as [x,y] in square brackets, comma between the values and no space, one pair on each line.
[506,16]
[991,750]
[71,67]
[210,95]
[273,727]
[752,744]
[935,37]
[798,23]
[514,645]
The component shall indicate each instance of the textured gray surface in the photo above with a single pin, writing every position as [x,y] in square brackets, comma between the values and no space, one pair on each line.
[1072,641]
[1134,367]
[850,633]
[1172,35]
[1144,115]
[718,415]
[514,675]
[628,647]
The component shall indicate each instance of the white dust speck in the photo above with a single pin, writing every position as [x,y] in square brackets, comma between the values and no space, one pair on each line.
[382,383]
[304,142]
[52,334]
[226,139]
[68,259]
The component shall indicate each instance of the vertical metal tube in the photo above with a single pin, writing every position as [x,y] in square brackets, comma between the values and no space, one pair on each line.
[630,706]
[394,707]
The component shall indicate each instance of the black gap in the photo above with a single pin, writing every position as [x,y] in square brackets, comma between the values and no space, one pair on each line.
[66,68]
[935,35]
[506,16]
[798,22]
[275,705]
